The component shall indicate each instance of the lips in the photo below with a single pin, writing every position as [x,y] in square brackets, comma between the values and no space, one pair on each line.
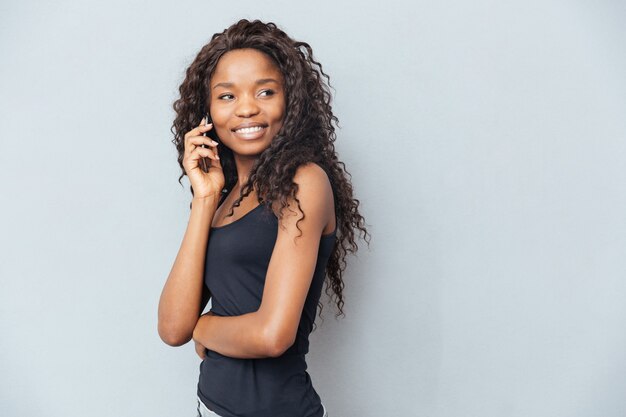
[249,125]
[250,131]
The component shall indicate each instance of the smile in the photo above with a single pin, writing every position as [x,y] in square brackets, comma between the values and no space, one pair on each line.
[250,133]
[250,129]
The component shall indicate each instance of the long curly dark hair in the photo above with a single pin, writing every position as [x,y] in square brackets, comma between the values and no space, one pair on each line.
[307,134]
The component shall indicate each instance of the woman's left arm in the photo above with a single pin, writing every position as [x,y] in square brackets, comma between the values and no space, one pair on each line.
[271,330]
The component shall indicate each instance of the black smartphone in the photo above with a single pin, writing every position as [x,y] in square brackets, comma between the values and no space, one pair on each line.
[211,133]
[205,163]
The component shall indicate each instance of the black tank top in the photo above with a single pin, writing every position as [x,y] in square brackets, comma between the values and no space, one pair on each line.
[238,255]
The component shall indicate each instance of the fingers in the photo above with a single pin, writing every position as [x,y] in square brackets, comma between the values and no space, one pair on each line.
[199,130]
[203,152]
[194,138]
[195,158]
[201,140]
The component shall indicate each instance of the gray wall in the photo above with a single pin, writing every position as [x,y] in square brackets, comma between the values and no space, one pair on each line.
[486,143]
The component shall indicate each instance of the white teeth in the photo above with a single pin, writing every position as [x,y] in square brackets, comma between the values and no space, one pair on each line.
[249,129]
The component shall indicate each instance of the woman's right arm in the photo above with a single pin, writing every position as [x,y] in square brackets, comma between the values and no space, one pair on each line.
[182,298]
[184,295]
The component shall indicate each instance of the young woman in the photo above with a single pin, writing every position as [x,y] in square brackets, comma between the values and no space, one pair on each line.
[272,219]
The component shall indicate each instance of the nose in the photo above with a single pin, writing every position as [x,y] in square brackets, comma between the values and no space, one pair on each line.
[246,106]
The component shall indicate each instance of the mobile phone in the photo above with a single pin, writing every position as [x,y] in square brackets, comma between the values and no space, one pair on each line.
[205,162]
[211,133]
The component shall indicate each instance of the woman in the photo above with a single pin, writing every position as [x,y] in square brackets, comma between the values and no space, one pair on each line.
[272,219]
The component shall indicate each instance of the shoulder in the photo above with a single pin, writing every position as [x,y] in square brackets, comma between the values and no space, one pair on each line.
[314,195]
[311,176]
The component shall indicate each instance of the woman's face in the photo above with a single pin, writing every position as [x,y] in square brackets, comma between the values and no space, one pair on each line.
[247,101]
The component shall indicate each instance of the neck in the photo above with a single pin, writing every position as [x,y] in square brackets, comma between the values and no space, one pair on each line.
[244,166]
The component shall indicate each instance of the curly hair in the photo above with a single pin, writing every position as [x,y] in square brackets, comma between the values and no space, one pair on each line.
[307,134]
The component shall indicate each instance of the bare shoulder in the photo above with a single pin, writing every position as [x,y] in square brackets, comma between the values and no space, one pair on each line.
[311,175]
[315,195]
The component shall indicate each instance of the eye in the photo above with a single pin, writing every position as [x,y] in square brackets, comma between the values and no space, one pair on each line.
[224,95]
[270,92]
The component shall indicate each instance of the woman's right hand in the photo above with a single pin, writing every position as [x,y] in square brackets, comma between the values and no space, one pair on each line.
[204,184]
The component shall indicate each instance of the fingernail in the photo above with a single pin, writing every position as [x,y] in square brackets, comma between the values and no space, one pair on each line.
[214,142]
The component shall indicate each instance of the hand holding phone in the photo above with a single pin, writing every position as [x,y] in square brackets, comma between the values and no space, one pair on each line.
[201,161]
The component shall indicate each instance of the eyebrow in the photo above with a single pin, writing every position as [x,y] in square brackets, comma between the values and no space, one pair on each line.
[258,82]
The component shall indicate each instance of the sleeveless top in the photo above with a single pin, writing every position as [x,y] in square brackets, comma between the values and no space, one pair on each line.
[238,255]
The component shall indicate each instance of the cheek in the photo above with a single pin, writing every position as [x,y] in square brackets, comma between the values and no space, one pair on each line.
[222,132]
[219,121]
[217,115]
[279,113]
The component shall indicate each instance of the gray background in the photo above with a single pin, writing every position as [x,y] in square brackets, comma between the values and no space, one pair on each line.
[487,146]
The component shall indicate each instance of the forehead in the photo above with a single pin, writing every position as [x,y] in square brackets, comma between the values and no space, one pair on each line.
[242,65]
